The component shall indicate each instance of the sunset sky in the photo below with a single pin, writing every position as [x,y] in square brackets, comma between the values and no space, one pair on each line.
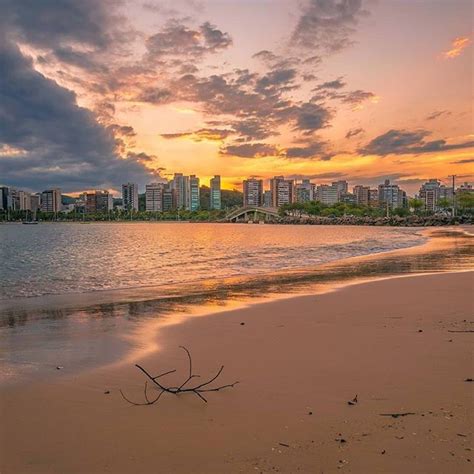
[95,93]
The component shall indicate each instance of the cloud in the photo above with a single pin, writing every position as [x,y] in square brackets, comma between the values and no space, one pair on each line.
[324,176]
[354,132]
[250,150]
[75,32]
[275,80]
[209,134]
[178,40]
[329,91]
[310,117]
[252,129]
[437,114]
[155,95]
[402,142]
[122,130]
[327,25]
[462,162]
[357,97]
[265,56]
[311,150]
[336,84]
[62,144]
[458,45]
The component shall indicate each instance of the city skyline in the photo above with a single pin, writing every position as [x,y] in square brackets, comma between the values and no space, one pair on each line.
[333,90]
[185,193]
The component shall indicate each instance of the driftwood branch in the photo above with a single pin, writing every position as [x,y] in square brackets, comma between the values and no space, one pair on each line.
[181,388]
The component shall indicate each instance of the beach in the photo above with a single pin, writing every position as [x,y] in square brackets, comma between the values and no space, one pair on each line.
[399,344]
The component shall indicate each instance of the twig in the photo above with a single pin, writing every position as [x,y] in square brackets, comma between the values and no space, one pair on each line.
[396,415]
[175,390]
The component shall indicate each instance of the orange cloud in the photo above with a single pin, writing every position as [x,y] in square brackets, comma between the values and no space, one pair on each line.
[457,47]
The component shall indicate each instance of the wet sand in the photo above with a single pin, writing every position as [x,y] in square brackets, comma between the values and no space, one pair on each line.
[299,361]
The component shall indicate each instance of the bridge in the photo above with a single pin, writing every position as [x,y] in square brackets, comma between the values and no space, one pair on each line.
[253,214]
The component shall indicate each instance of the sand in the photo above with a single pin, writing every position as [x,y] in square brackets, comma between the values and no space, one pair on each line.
[299,361]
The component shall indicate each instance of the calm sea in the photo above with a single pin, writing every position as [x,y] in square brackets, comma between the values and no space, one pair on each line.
[64,258]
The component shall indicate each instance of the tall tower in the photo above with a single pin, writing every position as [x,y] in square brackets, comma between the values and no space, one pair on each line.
[130,196]
[215,193]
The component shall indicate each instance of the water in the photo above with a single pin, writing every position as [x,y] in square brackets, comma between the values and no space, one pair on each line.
[60,258]
[176,268]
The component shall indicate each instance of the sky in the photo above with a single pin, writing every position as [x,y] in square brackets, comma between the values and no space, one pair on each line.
[94,93]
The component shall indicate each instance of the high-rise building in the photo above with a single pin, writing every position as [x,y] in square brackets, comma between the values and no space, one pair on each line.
[51,200]
[24,201]
[130,196]
[304,191]
[104,201]
[215,193]
[179,186]
[362,195]
[253,192]
[432,191]
[35,202]
[391,196]
[267,198]
[154,197]
[282,191]
[90,203]
[193,195]
[167,198]
[5,198]
[374,198]
[342,187]
[327,194]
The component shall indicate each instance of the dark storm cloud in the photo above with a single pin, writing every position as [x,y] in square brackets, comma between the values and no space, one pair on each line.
[59,142]
[354,132]
[250,150]
[49,23]
[401,142]
[328,25]
[65,27]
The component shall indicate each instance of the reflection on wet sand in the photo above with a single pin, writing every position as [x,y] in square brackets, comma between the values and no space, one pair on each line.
[94,333]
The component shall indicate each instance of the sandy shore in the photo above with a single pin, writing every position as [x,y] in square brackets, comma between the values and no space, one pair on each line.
[298,361]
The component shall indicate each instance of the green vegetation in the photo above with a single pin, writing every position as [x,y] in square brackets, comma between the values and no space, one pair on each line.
[464,205]
[316,208]
[116,215]
[465,202]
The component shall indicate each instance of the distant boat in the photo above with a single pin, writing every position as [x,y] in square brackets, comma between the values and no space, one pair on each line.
[29,222]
